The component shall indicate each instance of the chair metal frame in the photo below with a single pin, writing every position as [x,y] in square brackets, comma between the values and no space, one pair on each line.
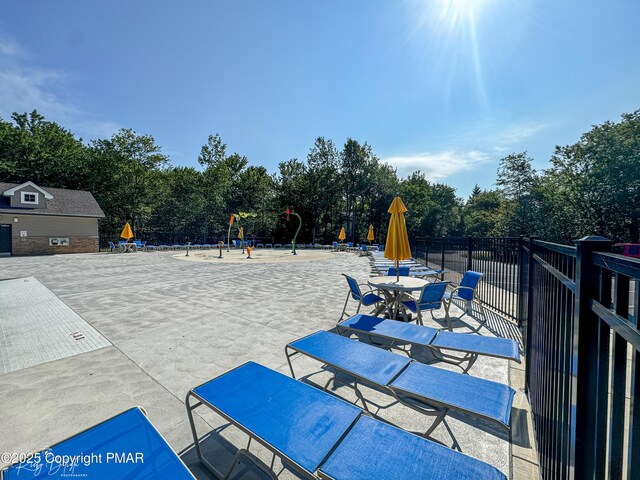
[351,294]
[467,305]
[428,407]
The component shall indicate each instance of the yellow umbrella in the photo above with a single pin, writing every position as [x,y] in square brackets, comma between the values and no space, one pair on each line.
[241,233]
[370,236]
[126,233]
[342,236]
[397,246]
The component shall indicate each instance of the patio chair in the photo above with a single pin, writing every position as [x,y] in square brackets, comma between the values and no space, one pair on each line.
[318,435]
[465,293]
[335,246]
[206,245]
[424,388]
[431,298]
[404,271]
[259,245]
[277,245]
[151,247]
[399,334]
[268,245]
[366,299]
[129,433]
[113,247]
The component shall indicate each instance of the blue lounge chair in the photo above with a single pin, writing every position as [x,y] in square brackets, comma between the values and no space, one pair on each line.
[277,245]
[366,299]
[465,293]
[398,334]
[427,389]
[141,450]
[320,436]
[113,247]
[268,245]
[259,245]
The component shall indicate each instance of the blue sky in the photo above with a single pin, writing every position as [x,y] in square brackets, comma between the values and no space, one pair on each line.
[445,86]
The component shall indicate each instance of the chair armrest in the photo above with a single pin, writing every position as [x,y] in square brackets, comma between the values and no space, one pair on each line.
[452,293]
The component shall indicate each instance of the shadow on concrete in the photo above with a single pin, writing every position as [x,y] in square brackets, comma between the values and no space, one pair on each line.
[220,452]
[520,428]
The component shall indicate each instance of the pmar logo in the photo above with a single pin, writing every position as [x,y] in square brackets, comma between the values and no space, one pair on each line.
[115,457]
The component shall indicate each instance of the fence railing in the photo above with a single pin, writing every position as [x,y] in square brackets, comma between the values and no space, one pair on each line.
[495,257]
[582,344]
[578,310]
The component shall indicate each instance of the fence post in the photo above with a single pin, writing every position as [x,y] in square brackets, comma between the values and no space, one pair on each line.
[442,259]
[469,253]
[520,280]
[529,307]
[584,362]
[426,251]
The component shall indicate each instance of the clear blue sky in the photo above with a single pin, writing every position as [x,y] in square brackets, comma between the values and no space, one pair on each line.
[445,86]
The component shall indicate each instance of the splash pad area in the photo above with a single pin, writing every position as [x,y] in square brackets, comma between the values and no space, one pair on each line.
[258,255]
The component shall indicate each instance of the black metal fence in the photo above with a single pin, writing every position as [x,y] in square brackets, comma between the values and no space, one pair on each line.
[582,343]
[496,257]
[578,310]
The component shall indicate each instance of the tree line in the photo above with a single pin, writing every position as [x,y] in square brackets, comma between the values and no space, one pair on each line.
[590,187]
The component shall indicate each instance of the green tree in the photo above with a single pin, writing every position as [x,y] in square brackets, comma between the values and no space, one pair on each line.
[131,160]
[516,181]
[480,212]
[596,182]
[32,148]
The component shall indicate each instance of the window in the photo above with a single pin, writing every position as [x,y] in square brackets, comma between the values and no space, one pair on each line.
[29,197]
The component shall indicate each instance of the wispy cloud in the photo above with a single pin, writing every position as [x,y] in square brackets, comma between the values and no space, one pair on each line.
[514,137]
[438,165]
[447,162]
[25,86]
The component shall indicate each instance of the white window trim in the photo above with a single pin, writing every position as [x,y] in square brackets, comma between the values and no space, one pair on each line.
[24,194]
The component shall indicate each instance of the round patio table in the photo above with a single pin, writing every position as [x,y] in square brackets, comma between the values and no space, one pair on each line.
[393,288]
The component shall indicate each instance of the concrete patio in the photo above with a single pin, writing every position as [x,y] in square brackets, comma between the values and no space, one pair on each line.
[169,325]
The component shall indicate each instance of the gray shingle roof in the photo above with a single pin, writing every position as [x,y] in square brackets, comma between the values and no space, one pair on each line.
[73,203]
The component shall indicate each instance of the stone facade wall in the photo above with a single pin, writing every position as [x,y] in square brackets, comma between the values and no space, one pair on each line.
[40,246]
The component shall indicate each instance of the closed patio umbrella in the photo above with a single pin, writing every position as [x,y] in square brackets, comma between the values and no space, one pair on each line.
[342,235]
[126,233]
[370,235]
[397,246]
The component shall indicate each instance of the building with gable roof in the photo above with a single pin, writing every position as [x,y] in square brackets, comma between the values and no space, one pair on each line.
[38,220]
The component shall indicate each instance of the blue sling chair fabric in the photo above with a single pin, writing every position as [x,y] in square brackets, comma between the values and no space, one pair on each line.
[466,293]
[438,341]
[320,435]
[366,299]
[435,390]
[127,433]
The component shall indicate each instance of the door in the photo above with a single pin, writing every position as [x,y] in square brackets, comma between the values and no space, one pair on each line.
[5,240]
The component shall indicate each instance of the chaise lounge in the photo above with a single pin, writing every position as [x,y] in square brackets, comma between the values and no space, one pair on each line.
[397,334]
[320,436]
[141,450]
[429,390]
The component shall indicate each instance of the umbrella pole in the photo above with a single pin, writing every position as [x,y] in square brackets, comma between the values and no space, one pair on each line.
[397,271]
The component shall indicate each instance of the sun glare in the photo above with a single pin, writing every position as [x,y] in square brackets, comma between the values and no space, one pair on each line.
[451,27]
[459,13]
